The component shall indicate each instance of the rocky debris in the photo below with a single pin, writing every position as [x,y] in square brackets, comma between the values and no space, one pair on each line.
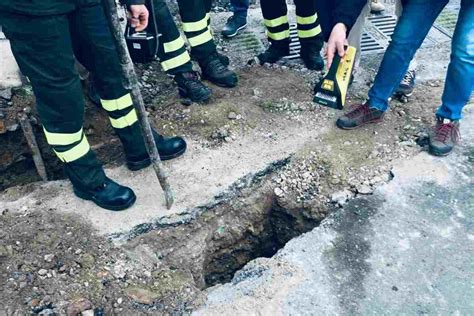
[341,197]
[232,116]
[78,306]
[141,295]
[6,94]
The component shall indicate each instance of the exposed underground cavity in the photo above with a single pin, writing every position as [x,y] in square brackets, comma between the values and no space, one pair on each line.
[248,223]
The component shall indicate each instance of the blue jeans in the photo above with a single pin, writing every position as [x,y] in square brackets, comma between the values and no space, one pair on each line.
[417,18]
[240,7]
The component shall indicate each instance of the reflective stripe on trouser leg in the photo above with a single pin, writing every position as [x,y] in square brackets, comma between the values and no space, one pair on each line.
[121,111]
[68,147]
[307,19]
[275,19]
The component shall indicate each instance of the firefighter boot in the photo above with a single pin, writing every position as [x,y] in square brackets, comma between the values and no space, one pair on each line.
[216,72]
[311,53]
[168,148]
[276,51]
[110,195]
[191,87]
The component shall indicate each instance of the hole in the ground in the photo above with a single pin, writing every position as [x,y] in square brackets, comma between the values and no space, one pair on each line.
[263,238]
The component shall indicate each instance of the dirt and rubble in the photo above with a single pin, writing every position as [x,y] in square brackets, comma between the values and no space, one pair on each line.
[52,264]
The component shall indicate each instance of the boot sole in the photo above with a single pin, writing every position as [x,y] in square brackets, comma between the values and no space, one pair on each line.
[361,125]
[236,32]
[136,166]
[436,153]
[88,197]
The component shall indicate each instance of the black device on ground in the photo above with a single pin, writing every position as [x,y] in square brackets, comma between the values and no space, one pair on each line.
[331,91]
[143,46]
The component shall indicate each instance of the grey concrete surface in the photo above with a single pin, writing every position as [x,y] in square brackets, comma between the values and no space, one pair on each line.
[406,250]
[9,71]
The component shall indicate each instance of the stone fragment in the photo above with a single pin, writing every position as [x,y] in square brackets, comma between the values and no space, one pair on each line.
[78,306]
[140,295]
[232,116]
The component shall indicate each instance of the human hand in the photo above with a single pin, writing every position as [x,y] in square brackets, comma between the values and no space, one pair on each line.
[138,17]
[336,43]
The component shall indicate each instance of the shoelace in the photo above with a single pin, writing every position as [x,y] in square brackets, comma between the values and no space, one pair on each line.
[408,78]
[363,110]
[217,64]
[444,131]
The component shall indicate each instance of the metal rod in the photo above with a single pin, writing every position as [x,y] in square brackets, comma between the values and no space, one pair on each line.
[31,139]
[131,83]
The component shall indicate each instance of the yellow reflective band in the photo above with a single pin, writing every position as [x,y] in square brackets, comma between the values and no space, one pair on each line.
[208,16]
[173,45]
[276,22]
[200,39]
[117,104]
[125,121]
[279,36]
[309,33]
[175,61]
[307,20]
[76,152]
[196,26]
[62,139]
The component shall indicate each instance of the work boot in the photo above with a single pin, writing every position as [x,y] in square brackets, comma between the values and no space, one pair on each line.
[376,7]
[276,51]
[168,148]
[191,87]
[216,72]
[110,195]
[407,85]
[361,115]
[224,59]
[445,136]
[311,54]
[234,25]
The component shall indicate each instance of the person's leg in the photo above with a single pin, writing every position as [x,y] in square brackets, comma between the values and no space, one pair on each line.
[414,24]
[43,50]
[238,21]
[458,85]
[278,30]
[310,34]
[195,17]
[95,49]
[174,57]
[407,85]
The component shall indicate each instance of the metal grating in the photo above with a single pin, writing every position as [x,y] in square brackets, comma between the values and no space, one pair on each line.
[446,22]
[385,24]
[295,45]
[369,45]
[247,43]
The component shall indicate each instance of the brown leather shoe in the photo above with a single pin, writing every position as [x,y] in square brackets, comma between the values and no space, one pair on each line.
[361,115]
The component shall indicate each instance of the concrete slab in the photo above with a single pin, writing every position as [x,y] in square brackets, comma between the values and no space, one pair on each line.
[9,71]
[405,250]
[196,179]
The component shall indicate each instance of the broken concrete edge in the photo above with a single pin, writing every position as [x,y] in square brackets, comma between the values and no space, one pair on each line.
[189,215]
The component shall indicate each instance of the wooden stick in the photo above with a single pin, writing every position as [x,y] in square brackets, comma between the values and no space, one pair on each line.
[31,139]
[131,83]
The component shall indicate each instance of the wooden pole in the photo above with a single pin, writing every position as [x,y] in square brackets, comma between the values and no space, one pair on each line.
[31,139]
[131,83]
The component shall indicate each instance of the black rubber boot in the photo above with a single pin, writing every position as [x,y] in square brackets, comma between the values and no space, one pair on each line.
[216,72]
[276,51]
[110,195]
[168,148]
[311,54]
[224,59]
[191,87]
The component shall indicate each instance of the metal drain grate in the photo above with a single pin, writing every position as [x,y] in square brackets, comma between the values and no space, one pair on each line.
[247,43]
[385,24]
[295,45]
[369,45]
[446,22]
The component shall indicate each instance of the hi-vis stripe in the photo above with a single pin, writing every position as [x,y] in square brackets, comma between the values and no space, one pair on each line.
[309,33]
[173,45]
[196,26]
[276,22]
[62,139]
[75,152]
[125,121]
[279,36]
[176,61]
[117,104]
[200,39]
[306,20]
